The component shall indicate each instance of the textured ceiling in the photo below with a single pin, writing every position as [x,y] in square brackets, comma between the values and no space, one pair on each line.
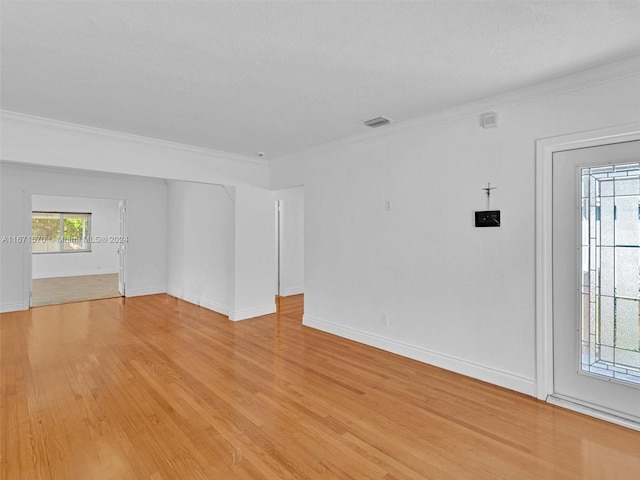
[279,77]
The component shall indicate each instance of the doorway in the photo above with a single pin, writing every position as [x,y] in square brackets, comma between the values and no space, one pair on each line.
[289,232]
[77,249]
[588,274]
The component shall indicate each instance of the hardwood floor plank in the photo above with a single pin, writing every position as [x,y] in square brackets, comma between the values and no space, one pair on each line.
[156,388]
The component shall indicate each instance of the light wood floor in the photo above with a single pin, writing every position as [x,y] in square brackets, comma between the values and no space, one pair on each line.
[52,291]
[153,387]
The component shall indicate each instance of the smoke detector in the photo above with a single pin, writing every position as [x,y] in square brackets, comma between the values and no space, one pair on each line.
[377,122]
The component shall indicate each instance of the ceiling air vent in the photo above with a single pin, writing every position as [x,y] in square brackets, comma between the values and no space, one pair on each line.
[377,122]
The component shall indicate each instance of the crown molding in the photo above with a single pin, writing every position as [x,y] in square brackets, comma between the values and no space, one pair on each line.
[84,130]
[608,73]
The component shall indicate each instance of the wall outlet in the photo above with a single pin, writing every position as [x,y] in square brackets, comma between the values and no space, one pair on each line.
[384,319]
[388,205]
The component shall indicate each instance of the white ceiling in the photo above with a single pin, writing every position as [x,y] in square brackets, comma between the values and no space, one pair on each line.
[279,77]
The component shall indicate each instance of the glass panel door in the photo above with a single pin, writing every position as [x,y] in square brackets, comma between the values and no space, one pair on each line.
[610,273]
[596,259]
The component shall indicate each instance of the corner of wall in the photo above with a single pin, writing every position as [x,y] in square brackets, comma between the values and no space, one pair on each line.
[13,307]
[199,300]
[252,312]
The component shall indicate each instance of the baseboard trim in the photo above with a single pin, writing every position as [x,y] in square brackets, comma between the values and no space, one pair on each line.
[598,412]
[214,306]
[204,302]
[252,312]
[13,307]
[139,292]
[454,364]
[287,292]
[234,315]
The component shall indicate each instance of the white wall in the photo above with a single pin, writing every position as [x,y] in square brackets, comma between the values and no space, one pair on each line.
[456,296]
[221,248]
[255,253]
[292,240]
[103,257]
[202,244]
[146,223]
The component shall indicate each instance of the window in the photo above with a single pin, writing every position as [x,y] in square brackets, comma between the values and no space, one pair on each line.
[60,232]
[611,271]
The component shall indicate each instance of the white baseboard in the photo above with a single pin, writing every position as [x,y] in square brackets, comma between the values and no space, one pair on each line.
[70,273]
[218,307]
[292,291]
[454,364]
[201,301]
[252,312]
[595,411]
[139,292]
[215,306]
[13,307]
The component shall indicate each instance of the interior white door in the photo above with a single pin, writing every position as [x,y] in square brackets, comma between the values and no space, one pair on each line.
[122,246]
[602,385]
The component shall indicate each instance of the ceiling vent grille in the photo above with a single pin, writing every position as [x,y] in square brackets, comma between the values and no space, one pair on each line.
[377,122]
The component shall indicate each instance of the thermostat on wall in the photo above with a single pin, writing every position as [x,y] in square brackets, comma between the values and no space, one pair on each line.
[488,218]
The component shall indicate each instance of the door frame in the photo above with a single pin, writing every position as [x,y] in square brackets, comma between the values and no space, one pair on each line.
[279,235]
[545,148]
[27,251]
[122,247]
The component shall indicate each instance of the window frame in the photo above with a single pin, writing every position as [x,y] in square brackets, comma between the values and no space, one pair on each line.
[61,240]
